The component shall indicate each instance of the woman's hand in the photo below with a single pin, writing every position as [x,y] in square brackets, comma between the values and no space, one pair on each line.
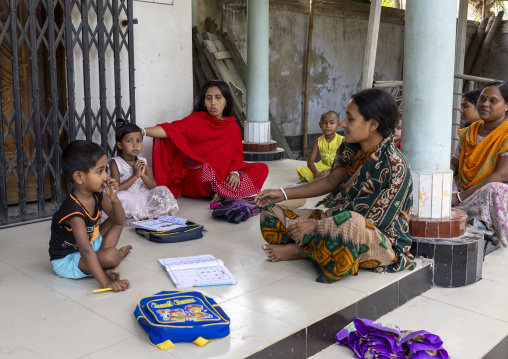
[298,230]
[269,196]
[455,199]
[233,180]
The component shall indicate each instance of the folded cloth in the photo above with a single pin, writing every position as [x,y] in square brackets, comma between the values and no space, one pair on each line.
[369,339]
[234,210]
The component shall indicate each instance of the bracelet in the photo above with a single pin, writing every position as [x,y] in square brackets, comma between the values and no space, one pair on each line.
[284,193]
[458,197]
[236,173]
[137,176]
[143,131]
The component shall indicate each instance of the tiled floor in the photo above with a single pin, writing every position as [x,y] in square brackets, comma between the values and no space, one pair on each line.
[470,320]
[43,316]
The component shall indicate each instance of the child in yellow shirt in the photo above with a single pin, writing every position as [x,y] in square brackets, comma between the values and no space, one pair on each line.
[327,146]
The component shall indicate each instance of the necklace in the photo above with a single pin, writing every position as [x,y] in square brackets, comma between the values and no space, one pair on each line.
[482,128]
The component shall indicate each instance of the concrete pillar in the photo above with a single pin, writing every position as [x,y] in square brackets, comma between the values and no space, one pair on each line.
[429,53]
[257,127]
[460,54]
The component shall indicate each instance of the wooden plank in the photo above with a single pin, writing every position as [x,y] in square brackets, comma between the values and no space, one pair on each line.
[477,67]
[369,61]
[205,66]
[237,58]
[227,71]
[222,55]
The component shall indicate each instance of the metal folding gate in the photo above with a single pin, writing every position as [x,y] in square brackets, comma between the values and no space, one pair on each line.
[57,58]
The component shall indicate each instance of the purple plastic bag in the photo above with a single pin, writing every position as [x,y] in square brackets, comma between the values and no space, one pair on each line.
[368,339]
[234,210]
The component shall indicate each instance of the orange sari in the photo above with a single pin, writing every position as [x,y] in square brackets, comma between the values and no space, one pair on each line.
[478,160]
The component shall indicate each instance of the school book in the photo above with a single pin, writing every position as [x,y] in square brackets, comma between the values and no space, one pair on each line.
[197,271]
[163,223]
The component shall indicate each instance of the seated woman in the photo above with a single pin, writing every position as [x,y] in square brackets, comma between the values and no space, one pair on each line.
[468,110]
[480,163]
[371,189]
[202,154]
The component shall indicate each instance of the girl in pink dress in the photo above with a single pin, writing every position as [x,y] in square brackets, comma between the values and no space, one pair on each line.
[138,192]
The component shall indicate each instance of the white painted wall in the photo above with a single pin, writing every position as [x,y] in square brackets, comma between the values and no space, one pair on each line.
[162,62]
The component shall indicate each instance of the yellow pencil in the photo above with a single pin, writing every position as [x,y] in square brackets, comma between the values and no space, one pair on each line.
[102,290]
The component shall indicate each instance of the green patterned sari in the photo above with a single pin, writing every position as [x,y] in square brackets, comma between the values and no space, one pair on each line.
[368,223]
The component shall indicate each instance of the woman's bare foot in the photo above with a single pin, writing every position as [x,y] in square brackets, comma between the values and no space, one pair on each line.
[112,274]
[283,252]
[216,198]
[125,250]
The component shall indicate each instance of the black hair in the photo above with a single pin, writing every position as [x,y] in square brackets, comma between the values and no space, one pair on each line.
[331,112]
[503,89]
[224,89]
[472,96]
[81,156]
[124,128]
[502,85]
[379,105]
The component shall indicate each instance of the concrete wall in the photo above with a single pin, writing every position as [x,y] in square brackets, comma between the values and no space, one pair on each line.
[162,61]
[339,38]
[496,62]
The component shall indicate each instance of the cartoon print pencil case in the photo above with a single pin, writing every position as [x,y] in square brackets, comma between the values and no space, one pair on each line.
[172,317]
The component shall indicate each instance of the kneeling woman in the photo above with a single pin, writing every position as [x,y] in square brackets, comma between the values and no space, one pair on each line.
[371,199]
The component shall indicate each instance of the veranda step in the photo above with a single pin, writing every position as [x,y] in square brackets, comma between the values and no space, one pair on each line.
[382,294]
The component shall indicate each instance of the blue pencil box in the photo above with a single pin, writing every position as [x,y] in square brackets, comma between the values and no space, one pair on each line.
[181,317]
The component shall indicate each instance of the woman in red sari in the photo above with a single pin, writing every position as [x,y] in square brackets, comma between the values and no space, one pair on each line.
[202,154]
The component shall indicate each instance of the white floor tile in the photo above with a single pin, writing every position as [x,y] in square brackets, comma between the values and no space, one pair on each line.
[293,299]
[465,335]
[60,330]
[494,264]
[135,347]
[270,301]
[20,293]
[334,352]
[250,332]
[484,297]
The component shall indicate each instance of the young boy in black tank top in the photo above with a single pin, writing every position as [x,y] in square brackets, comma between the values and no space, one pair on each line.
[80,245]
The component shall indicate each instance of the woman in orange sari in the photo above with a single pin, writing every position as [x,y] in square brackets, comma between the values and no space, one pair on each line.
[480,163]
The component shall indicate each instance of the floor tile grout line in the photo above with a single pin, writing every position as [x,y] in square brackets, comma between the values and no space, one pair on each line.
[465,309]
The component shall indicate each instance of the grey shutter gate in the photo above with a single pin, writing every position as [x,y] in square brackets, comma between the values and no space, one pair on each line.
[66,73]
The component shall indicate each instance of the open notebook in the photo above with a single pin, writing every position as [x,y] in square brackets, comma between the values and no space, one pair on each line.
[197,271]
[163,223]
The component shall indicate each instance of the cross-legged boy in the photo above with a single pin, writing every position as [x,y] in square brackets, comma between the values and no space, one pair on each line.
[80,245]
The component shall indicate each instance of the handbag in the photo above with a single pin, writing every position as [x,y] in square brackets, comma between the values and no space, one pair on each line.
[182,234]
[171,317]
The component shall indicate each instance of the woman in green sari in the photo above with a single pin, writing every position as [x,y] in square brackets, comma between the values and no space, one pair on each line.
[370,201]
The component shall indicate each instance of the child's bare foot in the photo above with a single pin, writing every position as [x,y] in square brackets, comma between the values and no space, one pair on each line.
[283,252]
[216,198]
[112,274]
[125,250]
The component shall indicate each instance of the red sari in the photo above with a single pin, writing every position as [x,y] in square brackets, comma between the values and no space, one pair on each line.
[198,155]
